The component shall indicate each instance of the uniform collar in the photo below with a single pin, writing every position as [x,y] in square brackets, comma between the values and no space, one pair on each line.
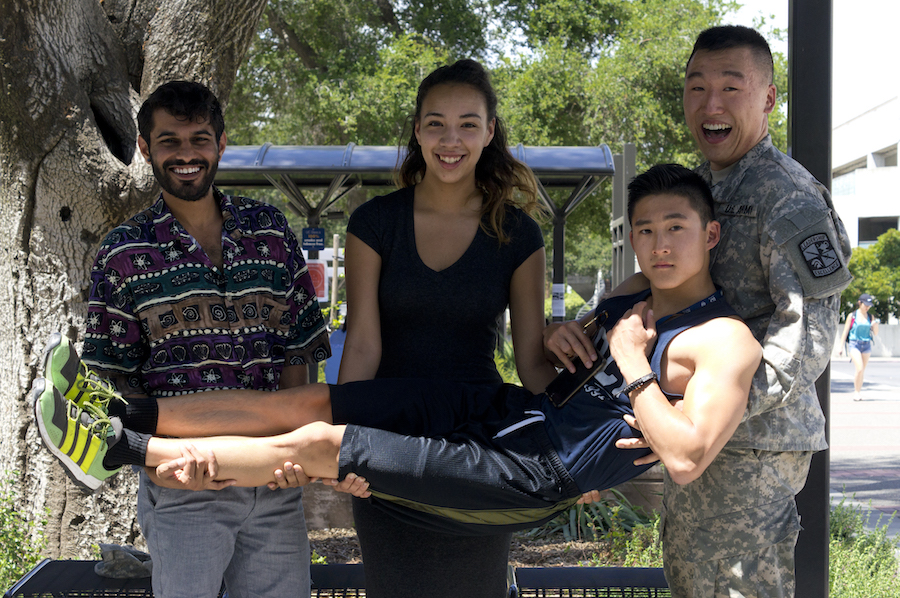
[747,161]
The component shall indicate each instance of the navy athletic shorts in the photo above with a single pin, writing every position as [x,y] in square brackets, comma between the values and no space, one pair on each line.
[452,457]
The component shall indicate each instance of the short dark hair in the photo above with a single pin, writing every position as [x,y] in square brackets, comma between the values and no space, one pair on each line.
[182,99]
[672,179]
[726,37]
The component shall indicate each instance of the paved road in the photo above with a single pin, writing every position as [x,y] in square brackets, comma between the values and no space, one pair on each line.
[865,439]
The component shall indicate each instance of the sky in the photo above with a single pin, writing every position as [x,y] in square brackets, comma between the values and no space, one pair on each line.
[865,72]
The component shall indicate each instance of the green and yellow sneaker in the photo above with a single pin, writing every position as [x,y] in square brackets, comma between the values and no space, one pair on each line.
[73,378]
[79,436]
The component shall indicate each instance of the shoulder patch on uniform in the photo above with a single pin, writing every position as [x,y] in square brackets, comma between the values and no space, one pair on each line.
[820,255]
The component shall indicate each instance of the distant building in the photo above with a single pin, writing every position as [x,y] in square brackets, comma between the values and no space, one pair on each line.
[865,178]
[865,184]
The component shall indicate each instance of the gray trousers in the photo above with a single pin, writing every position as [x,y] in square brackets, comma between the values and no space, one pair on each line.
[252,538]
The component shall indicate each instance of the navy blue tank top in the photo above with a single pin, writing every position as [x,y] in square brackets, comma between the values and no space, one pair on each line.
[585,430]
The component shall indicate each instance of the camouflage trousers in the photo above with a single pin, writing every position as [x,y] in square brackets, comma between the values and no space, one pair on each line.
[731,533]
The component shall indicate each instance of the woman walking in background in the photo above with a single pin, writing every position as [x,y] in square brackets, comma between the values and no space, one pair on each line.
[430,269]
[859,331]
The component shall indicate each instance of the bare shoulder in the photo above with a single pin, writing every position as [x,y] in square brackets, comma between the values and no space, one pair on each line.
[721,340]
[633,284]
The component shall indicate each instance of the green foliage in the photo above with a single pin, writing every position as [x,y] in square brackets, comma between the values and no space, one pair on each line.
[505,359]
[876,270]
[861,563]
[593,251]
[316,559]
[583,26]
[614,517]
[334,320]
[21,542]
[642,546]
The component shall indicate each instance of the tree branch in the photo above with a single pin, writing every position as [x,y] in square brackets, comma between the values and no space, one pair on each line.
[303,50]
[388,17]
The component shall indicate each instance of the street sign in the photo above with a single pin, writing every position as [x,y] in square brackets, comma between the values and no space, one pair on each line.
[313,239]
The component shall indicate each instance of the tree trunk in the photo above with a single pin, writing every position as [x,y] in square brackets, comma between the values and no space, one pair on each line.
[73,74]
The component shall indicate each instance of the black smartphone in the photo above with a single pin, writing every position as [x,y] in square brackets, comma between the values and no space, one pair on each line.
[566,384]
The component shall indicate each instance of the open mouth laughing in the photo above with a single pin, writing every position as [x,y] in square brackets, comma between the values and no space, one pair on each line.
[716,131]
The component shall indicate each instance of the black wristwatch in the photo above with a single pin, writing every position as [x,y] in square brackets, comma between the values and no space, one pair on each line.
[640,382]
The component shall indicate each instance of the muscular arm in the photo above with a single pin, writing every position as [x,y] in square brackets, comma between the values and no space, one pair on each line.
[362,347]
[526,309]
[715,394]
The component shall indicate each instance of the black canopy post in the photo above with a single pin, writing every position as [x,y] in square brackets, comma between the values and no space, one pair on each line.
[809,142]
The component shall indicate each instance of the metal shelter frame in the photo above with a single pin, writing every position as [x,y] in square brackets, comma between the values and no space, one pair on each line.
[338,169]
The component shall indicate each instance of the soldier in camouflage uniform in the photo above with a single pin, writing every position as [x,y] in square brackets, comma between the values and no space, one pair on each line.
[782,265]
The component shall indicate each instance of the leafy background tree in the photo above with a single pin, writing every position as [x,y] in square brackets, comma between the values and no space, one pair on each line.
[876,271]
[568,72]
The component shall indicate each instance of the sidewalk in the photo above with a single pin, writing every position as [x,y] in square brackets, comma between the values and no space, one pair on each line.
[865,445]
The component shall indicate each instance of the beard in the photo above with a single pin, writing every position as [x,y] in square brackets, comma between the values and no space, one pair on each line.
[190,191]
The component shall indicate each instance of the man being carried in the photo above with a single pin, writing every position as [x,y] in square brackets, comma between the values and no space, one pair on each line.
[448,464]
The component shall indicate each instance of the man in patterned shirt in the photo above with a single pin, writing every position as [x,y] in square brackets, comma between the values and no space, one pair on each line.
[203,291]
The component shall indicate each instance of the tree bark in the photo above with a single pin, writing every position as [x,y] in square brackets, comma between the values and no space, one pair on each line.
[73,73]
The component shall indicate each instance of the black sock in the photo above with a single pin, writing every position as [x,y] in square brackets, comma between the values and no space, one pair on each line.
[130,449]
[140,414]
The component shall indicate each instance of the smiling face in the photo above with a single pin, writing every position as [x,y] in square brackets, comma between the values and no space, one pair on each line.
[184,155]
[727,100]
[671,242]
[453,129]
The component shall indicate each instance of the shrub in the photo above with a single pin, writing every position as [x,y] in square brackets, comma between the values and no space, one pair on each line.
[861,562]
[643,547]
[21,543]
[606,517]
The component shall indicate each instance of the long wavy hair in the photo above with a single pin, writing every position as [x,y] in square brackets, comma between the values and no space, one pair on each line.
[502,180]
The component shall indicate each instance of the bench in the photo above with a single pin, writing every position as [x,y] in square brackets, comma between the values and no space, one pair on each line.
[587,582]
[76,579]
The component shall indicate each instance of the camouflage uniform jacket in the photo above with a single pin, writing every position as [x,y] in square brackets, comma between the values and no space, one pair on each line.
[782,263]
